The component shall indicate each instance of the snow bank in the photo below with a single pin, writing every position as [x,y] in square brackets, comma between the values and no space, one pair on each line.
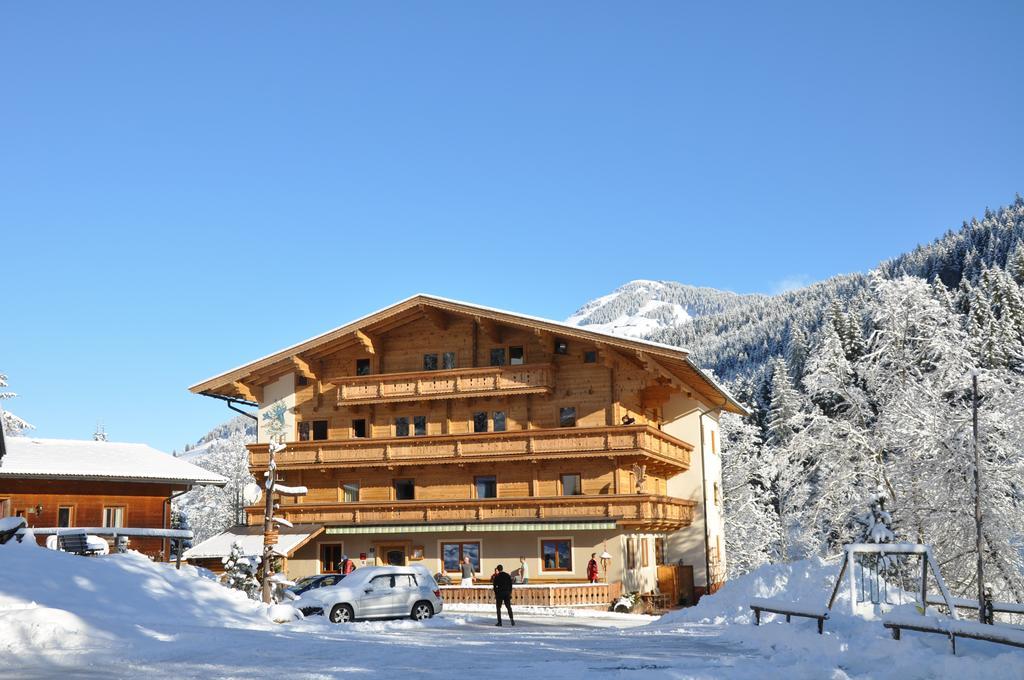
[852,646]
[808,582]
[53,603]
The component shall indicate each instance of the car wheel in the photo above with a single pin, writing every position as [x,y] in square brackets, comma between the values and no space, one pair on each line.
[342,613]
[422,611]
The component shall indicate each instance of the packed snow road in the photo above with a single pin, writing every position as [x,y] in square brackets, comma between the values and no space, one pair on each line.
[451,645]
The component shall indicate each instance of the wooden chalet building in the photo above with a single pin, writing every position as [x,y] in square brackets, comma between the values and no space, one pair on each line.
[435,429]
[61,483]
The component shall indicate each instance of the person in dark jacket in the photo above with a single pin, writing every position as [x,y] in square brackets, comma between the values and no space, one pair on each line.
[503,593]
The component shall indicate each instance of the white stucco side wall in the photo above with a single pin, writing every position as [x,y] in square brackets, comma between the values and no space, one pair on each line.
[279,393]
[683,420]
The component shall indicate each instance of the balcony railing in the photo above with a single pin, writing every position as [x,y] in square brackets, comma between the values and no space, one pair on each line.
[445,384]
[636,511]
[661,451]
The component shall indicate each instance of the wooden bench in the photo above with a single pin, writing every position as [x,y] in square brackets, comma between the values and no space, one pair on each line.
[789,609]
[76,542]
[954,628]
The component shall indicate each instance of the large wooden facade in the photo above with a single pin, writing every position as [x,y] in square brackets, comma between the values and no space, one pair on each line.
[434,424]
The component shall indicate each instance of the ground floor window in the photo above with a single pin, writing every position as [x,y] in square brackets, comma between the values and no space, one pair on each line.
[556,554]
[113,516]
[454,553]
[645,549]
[659,551]
[64,516]
[632,552]
[5,507]
[330,558]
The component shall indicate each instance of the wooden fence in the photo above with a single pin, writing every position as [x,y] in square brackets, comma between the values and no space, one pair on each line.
[579,595]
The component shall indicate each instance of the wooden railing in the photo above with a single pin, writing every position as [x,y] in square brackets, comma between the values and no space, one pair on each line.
[663,450]
[641,511]
[582,595]
[445,384]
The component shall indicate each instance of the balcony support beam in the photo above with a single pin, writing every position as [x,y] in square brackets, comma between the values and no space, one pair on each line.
[490,328]
[253,393]
[436,316]
[366,341]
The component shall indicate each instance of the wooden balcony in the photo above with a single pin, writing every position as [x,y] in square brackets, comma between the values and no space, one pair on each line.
[634,511]
[576,595]
[488,381]
[660,451]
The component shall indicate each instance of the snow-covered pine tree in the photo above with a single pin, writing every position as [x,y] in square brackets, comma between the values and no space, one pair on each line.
[784,415]
[179,520]
[240,571]
[12,424]
[829,379]
[796,353]
[751,521]
[876,523]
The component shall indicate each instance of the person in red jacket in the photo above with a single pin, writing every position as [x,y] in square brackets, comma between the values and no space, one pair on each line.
[592,568]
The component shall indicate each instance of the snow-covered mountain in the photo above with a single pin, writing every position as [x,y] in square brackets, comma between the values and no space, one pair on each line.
[737,336]
[640,308]
[227,432]
[209,509]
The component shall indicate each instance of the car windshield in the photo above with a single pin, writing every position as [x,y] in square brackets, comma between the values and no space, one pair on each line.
[304,584]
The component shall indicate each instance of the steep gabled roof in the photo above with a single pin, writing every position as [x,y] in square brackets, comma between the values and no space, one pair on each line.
[673,358]
[30,457]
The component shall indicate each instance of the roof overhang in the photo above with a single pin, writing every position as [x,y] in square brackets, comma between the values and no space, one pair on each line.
[64,477]
[238,382]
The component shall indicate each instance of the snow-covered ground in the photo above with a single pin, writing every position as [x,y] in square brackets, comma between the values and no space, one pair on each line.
[124,616]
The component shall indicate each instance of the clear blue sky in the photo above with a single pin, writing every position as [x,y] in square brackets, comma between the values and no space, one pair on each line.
[185,187]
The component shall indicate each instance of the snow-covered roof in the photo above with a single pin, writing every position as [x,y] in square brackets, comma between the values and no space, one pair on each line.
[86,459]
[251,539]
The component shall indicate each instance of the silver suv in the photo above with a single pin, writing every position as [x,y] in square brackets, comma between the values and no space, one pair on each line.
[376,593]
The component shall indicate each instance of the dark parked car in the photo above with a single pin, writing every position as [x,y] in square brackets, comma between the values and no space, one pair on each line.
[308,583]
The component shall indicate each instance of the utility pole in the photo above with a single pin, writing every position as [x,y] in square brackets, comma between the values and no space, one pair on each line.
[269,534]
[977,498]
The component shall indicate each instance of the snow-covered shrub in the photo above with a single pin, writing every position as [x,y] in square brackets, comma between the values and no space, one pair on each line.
[240,571]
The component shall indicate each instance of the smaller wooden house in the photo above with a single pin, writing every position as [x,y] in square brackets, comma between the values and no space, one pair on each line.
[61,483]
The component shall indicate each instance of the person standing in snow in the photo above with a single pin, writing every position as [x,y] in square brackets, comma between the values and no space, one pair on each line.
[503,593]
[592,568]
[347,565]
[467,572]
[524,571]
